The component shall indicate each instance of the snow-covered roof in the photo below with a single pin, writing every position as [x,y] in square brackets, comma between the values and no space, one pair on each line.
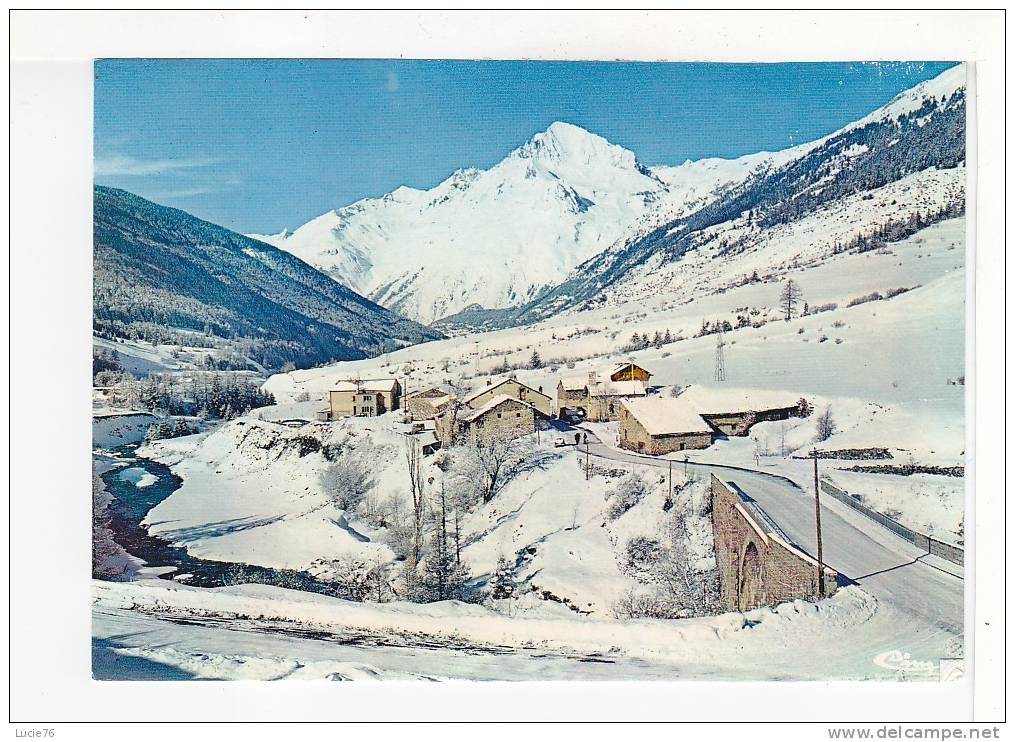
[438,402]
[489,406]
[366,385]
[618,389]
[574,383]
[433,392]
[666,416]
[714,400]
[483,390]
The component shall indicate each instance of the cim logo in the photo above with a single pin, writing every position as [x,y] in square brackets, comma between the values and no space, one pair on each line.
[945,670]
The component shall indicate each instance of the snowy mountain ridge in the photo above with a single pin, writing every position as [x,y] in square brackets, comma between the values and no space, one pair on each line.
[566,207]
[497,237]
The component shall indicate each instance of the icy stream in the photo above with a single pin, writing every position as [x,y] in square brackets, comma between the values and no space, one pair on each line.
[137,485]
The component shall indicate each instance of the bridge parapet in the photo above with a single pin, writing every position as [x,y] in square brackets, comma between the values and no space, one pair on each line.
[757,563]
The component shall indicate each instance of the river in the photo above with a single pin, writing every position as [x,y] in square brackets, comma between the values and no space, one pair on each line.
[137,485]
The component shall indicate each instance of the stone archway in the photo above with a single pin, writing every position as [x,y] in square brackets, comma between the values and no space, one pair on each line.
[749,587]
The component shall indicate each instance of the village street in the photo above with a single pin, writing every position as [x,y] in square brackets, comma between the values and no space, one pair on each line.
[921,587]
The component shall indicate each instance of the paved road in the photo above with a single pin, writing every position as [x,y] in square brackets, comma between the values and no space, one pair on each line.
[889,568]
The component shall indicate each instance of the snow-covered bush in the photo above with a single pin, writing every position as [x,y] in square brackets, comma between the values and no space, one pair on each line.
[347,481]
[354,578]
[625,494]
[399,536]
[647,603]
[873,296]
[642,551]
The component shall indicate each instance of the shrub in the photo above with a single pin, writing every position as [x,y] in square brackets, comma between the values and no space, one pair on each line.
[873,296]
[624,495]
[641,551]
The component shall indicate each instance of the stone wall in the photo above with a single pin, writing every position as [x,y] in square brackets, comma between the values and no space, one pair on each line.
[756,565]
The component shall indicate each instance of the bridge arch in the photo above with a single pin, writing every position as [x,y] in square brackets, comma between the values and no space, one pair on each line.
[750,588]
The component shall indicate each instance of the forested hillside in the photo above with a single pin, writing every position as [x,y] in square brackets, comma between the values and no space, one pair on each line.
[165,276]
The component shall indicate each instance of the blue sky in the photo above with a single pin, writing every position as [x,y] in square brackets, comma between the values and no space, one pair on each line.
[261,145]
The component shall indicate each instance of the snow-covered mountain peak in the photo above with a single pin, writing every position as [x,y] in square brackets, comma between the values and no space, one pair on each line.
[563,142]
[497,237]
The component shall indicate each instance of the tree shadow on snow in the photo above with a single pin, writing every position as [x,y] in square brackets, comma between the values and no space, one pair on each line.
[218,528]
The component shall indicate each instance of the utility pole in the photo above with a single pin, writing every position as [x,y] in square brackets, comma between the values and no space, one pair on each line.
[670,493]
[586,459]
[817,523]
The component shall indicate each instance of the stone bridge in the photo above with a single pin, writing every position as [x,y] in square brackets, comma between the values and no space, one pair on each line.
[757,563]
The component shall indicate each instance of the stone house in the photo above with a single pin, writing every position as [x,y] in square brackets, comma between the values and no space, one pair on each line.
[363,398]
[503,417]
[512,388]
[424,404]
[598,394]
[658,425]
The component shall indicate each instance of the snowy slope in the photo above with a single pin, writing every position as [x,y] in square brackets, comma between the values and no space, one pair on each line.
[920,134]
[902,353]
[523,224]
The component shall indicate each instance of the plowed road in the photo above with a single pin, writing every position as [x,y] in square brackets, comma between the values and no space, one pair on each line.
[927,589]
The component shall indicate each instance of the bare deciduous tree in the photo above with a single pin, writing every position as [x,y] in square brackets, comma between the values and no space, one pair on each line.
[825,425]
[417,490]
[487,468]
[347,481]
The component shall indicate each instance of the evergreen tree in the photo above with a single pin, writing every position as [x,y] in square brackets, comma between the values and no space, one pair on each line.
[443,577]
[535,361]
[502,581]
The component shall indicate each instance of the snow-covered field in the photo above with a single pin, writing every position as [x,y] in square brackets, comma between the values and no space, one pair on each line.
[141,358]
[890,370]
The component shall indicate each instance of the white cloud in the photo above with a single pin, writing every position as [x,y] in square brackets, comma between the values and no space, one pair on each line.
[127,165]
[183,193]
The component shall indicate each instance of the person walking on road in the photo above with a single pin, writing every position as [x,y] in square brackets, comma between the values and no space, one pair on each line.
[577,438]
